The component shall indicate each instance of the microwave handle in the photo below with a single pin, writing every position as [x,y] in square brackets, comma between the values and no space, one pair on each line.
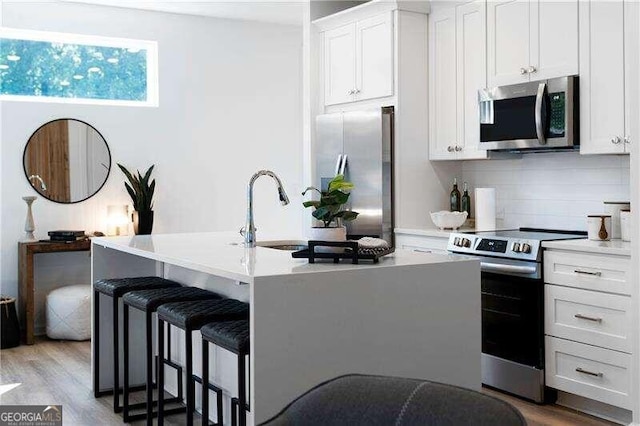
[539,125]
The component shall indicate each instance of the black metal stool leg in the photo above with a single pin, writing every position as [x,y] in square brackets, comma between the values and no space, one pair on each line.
[149,366]
[160,372]
[125,348]
[96,344]
[116,358]
[242,391]
[190,382]
[205,382]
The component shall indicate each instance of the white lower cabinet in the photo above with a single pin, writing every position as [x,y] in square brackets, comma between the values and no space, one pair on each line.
[600,374]
[588,325]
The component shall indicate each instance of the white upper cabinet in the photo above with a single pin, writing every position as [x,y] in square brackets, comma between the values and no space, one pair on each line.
[339,64]
[531,40]
[374,57]
[442,97]
[457,64]
[508,41]
[471,75]
[358,60]
[603,92]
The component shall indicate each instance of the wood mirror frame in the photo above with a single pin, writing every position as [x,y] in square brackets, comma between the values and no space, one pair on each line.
[66,160]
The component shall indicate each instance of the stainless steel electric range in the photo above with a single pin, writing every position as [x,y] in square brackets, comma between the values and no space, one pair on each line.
[512,305]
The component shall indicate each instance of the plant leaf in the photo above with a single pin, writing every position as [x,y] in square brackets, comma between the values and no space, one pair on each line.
[347,215]
[315,204]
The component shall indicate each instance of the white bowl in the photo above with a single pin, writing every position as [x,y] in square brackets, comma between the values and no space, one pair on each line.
[448,220]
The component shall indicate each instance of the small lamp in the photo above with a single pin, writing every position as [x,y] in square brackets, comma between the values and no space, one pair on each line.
[118,220]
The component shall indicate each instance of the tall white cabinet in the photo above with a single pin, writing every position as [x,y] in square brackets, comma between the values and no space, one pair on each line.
[457,71]
[608,63]
[530,40]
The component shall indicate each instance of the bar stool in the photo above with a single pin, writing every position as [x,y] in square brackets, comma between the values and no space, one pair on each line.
[116,288]
[148,302]
[232,336]
[190,316]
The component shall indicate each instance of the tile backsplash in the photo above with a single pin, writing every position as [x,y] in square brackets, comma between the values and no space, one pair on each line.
[551,190]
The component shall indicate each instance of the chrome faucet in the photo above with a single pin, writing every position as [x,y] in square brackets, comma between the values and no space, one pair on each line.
[249,230]
[43,187]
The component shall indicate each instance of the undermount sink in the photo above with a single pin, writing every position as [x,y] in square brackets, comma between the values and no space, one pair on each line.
[285,245]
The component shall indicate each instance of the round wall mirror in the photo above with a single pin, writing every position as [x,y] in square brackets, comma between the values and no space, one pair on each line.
[66,160]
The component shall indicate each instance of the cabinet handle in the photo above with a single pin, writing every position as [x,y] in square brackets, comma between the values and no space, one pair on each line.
[584,317]
[450,148]
[422,251]
[595,274]
[458,148]
[615,140]
[590,373]
[351,92]
[356,91]
[531,70]
[627,140]
[523,71]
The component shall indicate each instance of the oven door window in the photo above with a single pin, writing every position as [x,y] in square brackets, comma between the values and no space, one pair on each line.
[512,318]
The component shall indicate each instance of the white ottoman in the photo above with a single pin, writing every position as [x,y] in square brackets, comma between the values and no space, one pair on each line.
[69,313]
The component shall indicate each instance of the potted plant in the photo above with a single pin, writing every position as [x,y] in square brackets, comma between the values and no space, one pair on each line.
[141,192]
[329,210]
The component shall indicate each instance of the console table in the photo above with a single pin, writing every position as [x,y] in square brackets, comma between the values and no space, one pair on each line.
[26,297]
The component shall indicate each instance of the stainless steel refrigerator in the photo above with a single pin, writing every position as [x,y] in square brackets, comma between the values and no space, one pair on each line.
[359,144]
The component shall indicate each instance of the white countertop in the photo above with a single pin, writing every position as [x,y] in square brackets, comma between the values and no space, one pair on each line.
[615,247]
[221,254]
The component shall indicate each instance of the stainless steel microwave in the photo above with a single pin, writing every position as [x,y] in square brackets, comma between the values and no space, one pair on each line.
[532,116]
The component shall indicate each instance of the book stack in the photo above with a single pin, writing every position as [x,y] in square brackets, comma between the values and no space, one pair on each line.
[66,236]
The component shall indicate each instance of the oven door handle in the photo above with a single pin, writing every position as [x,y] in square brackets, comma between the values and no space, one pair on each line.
[539,103]
[512,269]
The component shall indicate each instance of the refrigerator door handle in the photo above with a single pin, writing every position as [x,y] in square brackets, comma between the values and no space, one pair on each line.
[344,164]
[338,164]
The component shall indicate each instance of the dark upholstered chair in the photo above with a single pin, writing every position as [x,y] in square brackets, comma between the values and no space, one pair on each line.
[360,400]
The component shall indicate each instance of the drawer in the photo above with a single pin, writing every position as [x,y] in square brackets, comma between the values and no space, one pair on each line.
[420,243]
[588,271]
[589,371]
[586,316]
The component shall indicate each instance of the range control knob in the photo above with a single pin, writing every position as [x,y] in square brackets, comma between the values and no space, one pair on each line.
[525,248]
[466,242]
[456,241]
[515,247]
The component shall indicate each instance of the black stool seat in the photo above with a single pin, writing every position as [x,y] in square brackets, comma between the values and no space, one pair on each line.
[192,315]
[116,287]
[231,335]
[149,300]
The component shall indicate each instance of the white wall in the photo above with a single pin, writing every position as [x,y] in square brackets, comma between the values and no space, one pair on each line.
[230,101]
[556,190]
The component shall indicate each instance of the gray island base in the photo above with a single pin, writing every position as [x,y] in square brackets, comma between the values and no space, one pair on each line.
[411,315]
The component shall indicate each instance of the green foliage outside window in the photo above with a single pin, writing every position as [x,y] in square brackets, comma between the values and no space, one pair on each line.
[65,70]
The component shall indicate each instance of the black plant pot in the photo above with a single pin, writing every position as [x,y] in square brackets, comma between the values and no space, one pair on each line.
[10,329]
[143,222]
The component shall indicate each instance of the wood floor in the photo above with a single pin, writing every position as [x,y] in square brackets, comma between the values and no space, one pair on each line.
[55,372]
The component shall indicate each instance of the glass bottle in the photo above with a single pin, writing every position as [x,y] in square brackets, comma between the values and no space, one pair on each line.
[465,203]
[455,197]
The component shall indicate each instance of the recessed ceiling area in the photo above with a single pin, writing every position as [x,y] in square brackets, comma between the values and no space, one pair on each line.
[287,12]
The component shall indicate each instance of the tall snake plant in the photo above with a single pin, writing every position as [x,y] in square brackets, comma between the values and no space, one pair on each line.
[139,188]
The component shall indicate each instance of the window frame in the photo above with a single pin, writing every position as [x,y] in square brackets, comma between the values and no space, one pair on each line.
[151,47]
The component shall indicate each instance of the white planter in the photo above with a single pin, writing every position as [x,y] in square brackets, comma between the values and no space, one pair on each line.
[328,234]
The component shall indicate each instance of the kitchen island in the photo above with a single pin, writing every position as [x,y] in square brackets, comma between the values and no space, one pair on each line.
[412,314]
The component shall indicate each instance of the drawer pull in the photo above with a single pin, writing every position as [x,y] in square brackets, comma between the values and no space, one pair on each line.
[590,373]
[422,251]
[595,274]
[584,317]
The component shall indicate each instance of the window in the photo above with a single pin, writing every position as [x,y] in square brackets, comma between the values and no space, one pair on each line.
[54,67]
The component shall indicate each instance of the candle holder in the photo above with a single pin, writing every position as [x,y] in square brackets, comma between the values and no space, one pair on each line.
[29,226]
